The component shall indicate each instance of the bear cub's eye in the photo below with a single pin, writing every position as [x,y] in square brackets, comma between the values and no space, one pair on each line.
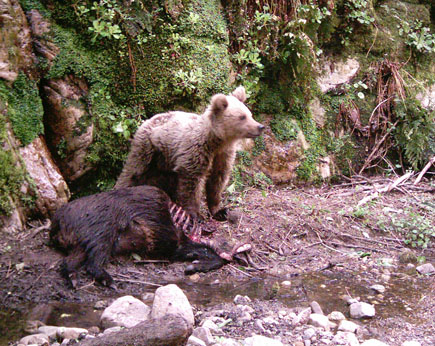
[242,117]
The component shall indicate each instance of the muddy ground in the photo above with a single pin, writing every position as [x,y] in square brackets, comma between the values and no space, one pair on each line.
[316,237]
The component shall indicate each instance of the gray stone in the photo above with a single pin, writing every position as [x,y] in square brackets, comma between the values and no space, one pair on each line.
[228,342]
[51,331]
[194,341]
[302,317]
[427,98]
[238,299]
[316,308]
[211,326]
[426,268]
[320,321]
[348,326]
[361,310]
[378,288]
[170,299]
[36,339]
[70,333]
[126,312]
[308,333]
[204,334]
[336,316]
[259,340]
[346,339]
[101,304]
[112,330]
[336,73]
[373,342]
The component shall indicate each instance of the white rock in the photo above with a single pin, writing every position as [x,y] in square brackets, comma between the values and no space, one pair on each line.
[126,312]
[346,339]
[51,331]
[238,299]
[244,316]
[246,308]
[411,343]
[112,330]
[318,320]
[316,308]
[286,283]
[210,325]
[228,342]
[36,339]
[170,299]
[204,334]
[361,310]
[194,341]
[259,340]
[337,73]
[308,333]
[373,342]
[426,268]
[336,316]
[70,333]
[378,288]
[270,320]
[302,317]
[427,98]
[348,326]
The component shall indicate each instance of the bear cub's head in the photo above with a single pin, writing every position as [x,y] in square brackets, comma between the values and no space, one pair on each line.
[231,119]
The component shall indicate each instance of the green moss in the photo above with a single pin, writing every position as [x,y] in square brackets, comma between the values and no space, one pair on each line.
[25,109]
[284,128]
[12,175]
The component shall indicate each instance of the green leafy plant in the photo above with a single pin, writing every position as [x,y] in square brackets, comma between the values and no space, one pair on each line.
[417,36]
[417,229]
[414,130]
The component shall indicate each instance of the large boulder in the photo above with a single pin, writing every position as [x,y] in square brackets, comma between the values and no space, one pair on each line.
[52,188]
[16,43]
[170,299]
[126,312]
[69,132]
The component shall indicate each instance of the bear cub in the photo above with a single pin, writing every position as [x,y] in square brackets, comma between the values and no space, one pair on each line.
[179,152]
[137,219]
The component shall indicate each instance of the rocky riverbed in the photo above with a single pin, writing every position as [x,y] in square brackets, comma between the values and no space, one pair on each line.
[309,245]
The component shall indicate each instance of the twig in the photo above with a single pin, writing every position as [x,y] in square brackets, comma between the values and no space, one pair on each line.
[35,231]
[138,282]
[240,271]
[328,247]
[152,261]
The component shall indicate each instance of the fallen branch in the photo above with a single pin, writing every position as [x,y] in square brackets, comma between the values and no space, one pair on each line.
[387,188]
[424,170]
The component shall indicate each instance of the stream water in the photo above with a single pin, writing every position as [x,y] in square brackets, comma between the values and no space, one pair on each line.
[402,295]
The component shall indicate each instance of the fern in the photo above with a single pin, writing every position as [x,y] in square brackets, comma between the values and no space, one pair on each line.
[414,131]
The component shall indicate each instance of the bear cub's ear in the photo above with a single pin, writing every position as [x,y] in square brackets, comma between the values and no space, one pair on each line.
[239,94]
[219,103]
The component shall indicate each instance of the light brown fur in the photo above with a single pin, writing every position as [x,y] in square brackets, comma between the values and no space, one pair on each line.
[179,151]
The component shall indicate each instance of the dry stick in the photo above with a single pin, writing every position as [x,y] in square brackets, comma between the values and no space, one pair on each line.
[424,170]
[378,145]
[328,247]
[387,188]
[240,271]
[138,282]
[35,231]
[357,246]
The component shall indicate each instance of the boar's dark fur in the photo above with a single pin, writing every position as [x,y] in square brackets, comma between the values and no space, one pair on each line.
[135,219]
